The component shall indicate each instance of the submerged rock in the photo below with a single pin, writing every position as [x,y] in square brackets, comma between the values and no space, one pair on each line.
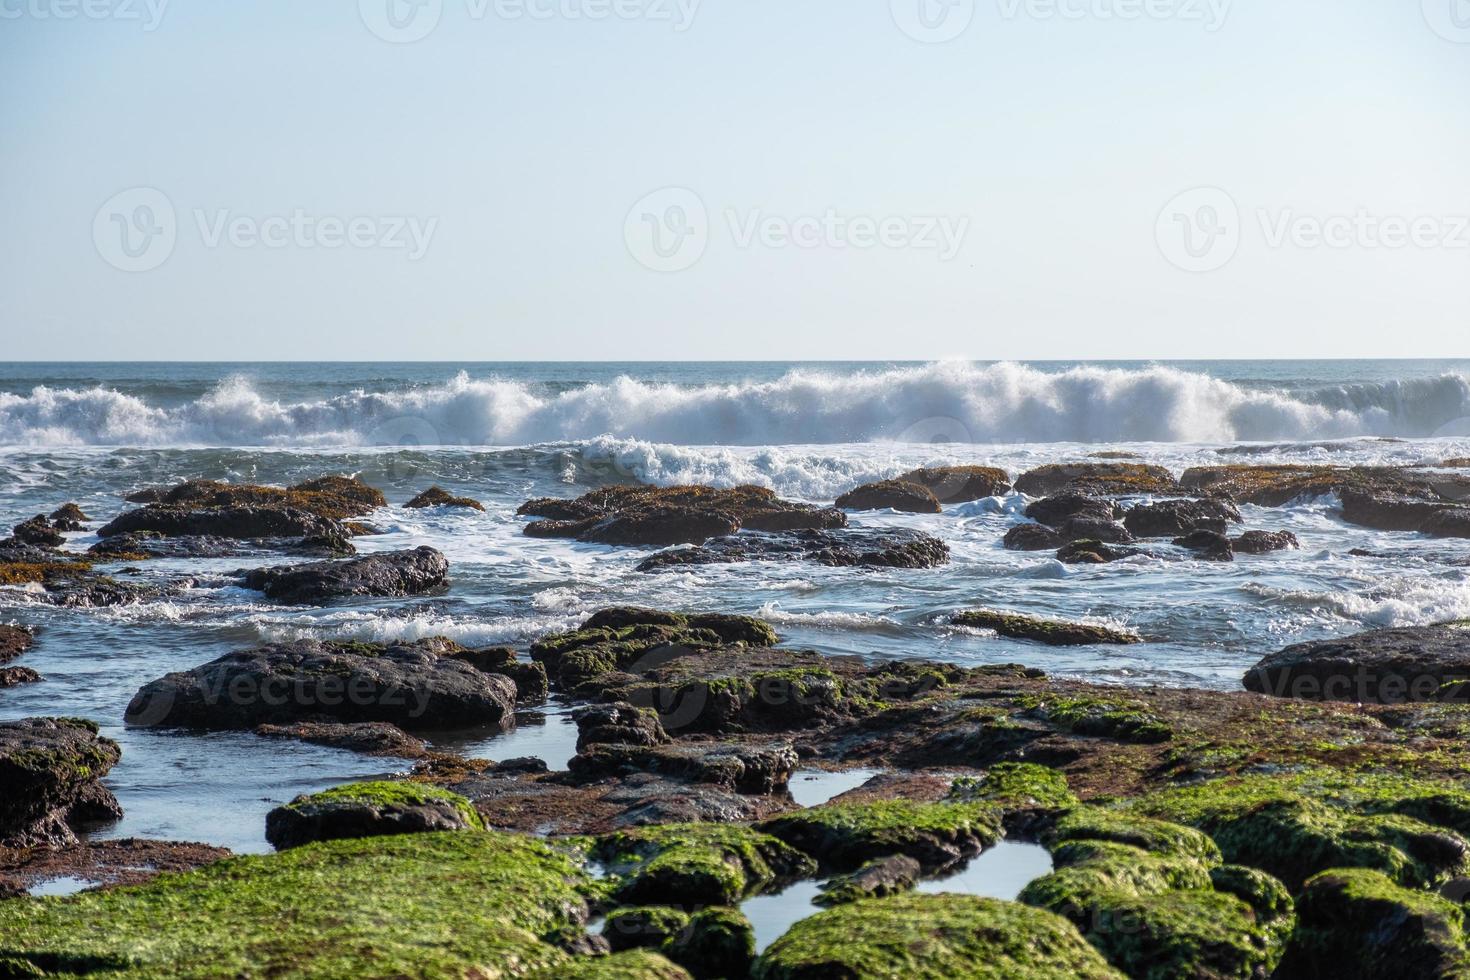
[14,641]
[1209,545]
[671,515]
[1388,512]
[394,573]
[960,484]
[50,770]
[368,810]
[1091,552]
[912,498]
[369,737]
[848,548]
[1102,479]
[437,497]
[1059,508]
[1392,666]
[742,768]
[889,875]
[1049,631]
[408,684]
[1176,518]
[1032,537]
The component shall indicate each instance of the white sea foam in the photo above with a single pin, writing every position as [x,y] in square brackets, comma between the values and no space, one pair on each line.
[949,401]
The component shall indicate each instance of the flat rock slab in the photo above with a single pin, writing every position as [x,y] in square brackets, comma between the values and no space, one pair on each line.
[1422,663]
[847,548]
[108,863]
[392,574]
[408,685]
[49,772]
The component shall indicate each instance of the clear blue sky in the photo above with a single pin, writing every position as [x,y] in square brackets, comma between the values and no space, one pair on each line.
[522,145]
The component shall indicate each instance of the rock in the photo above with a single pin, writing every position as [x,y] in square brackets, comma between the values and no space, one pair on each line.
[14,641]
[877,878]
[1061,507]
[223,522]
[1392,666]
[368,810]
[1176,518]
[50,769]
[933,936]
[910,498]
[1032,537]
[1087,552]
[843,836]
[1092,529]
[436,497]
[643,927]
[741,768]
[128,861]
[1276,485]
[696,864]
[1262,542]
[39,532]
[68,517]
[407,684]
[1386,512]
[618,723]
[1459,462]
[369,738]
[1209,545]
[530,678]
[16,676]
[848,548]
[960,484]
[671,515]
[1049,631]
[1101,479]
[718,942]
[394,573]
[313,509]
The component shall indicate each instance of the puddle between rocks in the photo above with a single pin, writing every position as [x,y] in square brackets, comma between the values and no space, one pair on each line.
[813,787]
[548,734]
[1000,872]
[56,887]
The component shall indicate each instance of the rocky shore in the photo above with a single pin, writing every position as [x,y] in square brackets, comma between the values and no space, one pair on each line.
[1313,823]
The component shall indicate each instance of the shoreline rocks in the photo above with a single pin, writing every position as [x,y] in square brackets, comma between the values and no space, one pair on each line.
[847,548]
[1097,479]
[960,484]
[50,769]
[1390,666]
[370,809]
[908,498]
[438,497]
[389,574]
[1048,631]
[663,516]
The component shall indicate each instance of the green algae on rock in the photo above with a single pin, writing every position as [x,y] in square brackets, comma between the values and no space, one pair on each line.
[449,904]
[933,937]
[643,926]
[845,835]
[1016,786]
[696,864]
[369,810]
[718,942]
[1049,631]
[635,964]
[1125,719]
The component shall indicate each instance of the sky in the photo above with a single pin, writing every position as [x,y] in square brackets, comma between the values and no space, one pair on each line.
[733,179]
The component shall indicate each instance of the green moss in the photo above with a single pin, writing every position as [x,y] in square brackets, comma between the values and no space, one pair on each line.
[715,864]
[647,926]
[392,794]
[933,937]
[1155,836]
[1016,786]
[844,835]
[1126,721]
[635,964]
[719,942]
[613,639]
[415,905]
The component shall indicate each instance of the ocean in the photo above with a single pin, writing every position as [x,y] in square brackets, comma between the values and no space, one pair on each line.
[503,433]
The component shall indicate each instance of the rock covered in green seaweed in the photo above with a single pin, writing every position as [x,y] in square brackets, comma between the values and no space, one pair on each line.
[369,810]
[696,864]
[845,835]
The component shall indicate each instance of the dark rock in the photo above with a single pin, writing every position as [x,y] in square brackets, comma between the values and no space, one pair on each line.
[529,677]
[39,532]
[844,836]
[911,498]
[718,942]
[16,676]
[369,738]
[408,685]
[1032,537]
[878,878]
[1176,518]
[1392,666]
[1209,545]
[1092,553]
[437,497]
[1386,512]
[14,641]
[1262,542]
[742,768]
[395,573]
[521,765]
[49,768]
[1097,478]
[1060,507]
[960,484]
[1090,528]
[128,861]
[848,548]
[1048,631]
[1274,486]
[313,509]
[643,927]
[618,723]
[68,517]
[368,810]
[223,522]
[671,515]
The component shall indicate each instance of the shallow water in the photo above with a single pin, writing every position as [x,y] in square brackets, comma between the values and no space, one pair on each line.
[92,433]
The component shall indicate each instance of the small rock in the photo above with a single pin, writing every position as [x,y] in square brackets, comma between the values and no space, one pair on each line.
[14,641]
[39,532]
[369,810]
[1176,518]
[878,878]
[68,517]
[16,676]
[1209,545]
[1060,507]
[437,497]
[911,498]
[1048,631]
[618,723]
[395,573]
[369,738]
[960,484]
[846,548]
[1092,553]
[1032,537]
[1262,542]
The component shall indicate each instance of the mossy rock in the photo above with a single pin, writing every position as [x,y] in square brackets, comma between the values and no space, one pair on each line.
[1051,632]
[635,964]
[697,864]
[1016,786]
[1356,923]
[453,904]
[369,810]
[1157,837]
[719,942]
[1115,718]
[617,638]
[845,835]
[877,878]
[643,926]
[933,937]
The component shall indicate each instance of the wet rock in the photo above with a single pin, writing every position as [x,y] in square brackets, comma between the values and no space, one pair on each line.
[696,864]
[313,509]
[16,676]
[530,678]
[68,517]
[1277,485]
[50,769]
[618,723]
[128,861]
[1087,552]
[395,573]
[1209,545]
[14,641]
[1092,529]
[960,484]
[843,836]
[39,532]
[1061,507]
[369,810]
[717,942]
[409,685]
[877,878]
[643,927]
[1032,537]
[223,522]
[1392,666]
[911,498]
[368,738]
[848,548]
[664,516]
[1176,518]
[437,497]
[1049,631]
[742,768]
[1263,542]
[1385,512]
[1101,479]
